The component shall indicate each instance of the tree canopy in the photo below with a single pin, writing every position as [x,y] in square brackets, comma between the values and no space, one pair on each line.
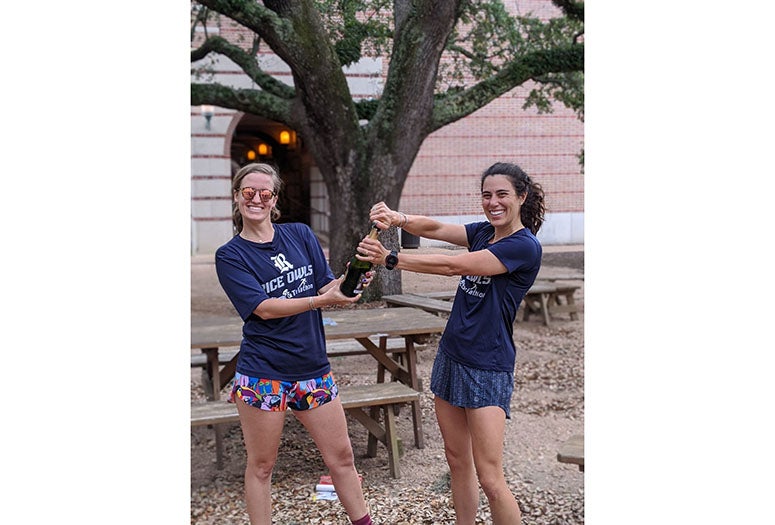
[447,59]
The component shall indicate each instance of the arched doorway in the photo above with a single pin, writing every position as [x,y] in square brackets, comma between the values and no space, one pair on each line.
[258,139]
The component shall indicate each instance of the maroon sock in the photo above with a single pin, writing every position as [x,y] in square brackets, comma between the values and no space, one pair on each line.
[366,520]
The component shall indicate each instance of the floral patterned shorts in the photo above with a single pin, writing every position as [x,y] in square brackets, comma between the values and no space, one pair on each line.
[276,396]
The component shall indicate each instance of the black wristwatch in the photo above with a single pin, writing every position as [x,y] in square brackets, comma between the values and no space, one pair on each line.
[391,260]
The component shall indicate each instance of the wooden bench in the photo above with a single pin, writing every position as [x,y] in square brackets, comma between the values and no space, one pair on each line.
[572,451]
[355,400]
[429,304]
[224,356]
[344,348]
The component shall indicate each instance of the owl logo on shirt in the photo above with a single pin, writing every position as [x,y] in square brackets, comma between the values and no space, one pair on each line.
[281,263]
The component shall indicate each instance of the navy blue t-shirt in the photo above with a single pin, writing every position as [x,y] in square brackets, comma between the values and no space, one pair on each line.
[291,265]
[480,327]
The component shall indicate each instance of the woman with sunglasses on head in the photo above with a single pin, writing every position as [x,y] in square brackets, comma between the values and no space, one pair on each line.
[277,278]
[473,373]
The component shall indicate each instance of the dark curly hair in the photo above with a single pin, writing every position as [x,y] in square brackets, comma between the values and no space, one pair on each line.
[532,211]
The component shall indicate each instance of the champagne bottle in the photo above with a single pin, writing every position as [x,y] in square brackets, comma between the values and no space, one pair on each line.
[351,286]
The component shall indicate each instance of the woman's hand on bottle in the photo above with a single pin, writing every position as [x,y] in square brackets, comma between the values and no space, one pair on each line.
[384,216]
[334,297]
[366,279]
[371,250]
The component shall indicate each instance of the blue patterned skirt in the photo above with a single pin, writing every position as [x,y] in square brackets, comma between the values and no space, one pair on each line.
[467,387]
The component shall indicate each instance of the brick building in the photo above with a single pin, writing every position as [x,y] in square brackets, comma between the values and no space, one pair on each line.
[442,183]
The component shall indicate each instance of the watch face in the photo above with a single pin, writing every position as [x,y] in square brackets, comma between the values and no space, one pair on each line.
[391,260]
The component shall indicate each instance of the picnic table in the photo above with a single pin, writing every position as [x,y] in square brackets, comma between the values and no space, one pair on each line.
[372,328]
[572,451]
[545,298]
[364,325]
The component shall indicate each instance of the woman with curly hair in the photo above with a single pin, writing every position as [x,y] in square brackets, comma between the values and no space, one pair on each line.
[473,373]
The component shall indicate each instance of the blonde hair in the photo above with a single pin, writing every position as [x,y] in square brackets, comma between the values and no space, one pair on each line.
[256,167]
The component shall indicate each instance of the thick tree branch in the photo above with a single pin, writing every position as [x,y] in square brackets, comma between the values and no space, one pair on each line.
[271,22]
[453,107]
[246,62]
[252,101]
[250,14]
[295,33]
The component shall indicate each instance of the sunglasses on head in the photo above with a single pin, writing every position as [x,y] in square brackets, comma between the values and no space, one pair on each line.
[248,194]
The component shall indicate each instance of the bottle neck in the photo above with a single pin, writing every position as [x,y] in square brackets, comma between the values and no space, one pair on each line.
[374,231]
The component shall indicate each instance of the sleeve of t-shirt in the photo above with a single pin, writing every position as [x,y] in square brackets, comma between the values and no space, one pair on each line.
[474,230]
[516,253]
[238,281]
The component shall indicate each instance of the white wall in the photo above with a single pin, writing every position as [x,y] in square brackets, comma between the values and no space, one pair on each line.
[558,228]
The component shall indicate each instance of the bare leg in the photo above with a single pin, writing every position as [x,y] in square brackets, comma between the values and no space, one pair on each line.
[457,447]
[261,431]
[486,426]
[327,425]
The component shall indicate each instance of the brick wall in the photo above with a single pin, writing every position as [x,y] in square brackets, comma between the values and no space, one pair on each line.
[444,179]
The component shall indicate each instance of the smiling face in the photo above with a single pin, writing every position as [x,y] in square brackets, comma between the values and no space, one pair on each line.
[500,203]
[256,209]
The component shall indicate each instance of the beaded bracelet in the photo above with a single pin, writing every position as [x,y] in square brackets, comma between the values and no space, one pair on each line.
[311,304]
[404,220]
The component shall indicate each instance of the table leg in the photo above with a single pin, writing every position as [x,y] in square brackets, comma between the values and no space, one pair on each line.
[371,444]
[391,442]
[227,373]
[213,373]
[530,307]
[213,391]
[380,354]
[407,374]
[572,303]
[380,366]
[545,308]
[411,366]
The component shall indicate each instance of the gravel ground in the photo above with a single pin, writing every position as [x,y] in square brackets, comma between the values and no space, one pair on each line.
[547,408]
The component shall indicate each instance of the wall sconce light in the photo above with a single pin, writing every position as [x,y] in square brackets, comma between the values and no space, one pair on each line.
[251,155]
[288,138]
[263,149]
[207,113]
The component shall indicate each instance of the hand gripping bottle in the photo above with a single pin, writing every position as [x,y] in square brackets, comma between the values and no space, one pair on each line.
[351,286]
